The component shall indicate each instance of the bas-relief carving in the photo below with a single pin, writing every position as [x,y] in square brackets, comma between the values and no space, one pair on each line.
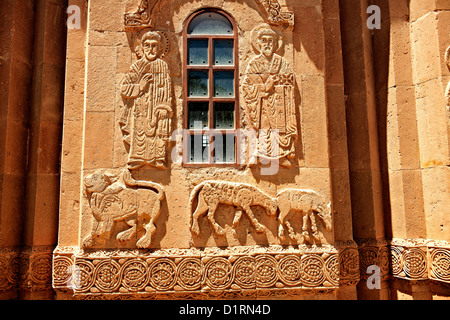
[243,196]
[142,18]
[307,203]
[275,13]
[192,272]
[269,105]
[420,259]
[311,206]
[114,199]
[26,268]
[144,15]
[146,120]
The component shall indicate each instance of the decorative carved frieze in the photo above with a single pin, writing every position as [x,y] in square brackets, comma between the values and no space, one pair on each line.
[440,263]
[9,269]
[373,253]
[189,272]
[276,15]
[420,259]
[144,15]
[348,263]
[36,268]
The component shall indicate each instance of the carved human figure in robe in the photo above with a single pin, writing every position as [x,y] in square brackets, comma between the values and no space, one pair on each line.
[268,92]
[146,119]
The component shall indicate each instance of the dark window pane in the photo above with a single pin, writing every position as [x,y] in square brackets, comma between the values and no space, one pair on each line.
[224,115]
[198,147]
[224,84]
[198,83]
[223,52]
[197,52]
[210,23]
[198,115]
[224,148]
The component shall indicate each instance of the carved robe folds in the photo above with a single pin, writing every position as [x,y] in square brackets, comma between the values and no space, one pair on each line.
[146,120]
[270,107]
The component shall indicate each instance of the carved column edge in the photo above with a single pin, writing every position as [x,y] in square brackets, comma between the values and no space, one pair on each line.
[9,269]
[36,268]
[348,263]
[27,269]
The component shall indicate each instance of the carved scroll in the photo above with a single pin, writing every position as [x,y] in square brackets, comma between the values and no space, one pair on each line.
[113,199]
[142,18]
[275,14]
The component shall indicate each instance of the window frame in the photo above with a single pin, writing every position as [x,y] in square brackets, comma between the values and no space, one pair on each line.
[211,68]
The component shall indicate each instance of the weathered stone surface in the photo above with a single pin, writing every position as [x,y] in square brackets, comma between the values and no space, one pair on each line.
[343,167]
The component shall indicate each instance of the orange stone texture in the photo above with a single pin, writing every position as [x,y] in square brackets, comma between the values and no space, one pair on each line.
[334,185]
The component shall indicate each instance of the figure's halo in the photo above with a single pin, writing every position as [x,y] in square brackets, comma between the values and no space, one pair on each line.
[255,33]
[165,47]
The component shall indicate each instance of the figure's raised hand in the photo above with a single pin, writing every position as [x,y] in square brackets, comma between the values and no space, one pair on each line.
[146,79]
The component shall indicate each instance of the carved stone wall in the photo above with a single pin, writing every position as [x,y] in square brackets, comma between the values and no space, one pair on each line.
[342,171]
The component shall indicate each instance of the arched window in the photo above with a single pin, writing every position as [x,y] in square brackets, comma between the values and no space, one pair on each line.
[210,89]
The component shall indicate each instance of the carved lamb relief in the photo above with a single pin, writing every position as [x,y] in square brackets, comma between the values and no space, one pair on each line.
[312,208]
[114,199]
[269,105]
[146,120]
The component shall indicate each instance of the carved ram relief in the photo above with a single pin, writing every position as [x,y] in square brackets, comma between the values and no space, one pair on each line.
[121,198]
[307,204]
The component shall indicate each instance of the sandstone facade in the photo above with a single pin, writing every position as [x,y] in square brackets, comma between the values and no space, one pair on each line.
[225,149]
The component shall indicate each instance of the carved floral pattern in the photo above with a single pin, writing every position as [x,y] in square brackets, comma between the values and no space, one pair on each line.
[195,270]
[142,17]
[440,264]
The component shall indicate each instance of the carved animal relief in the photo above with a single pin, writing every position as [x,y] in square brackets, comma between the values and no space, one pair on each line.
[114,199]
[146,120]
[243,196]
[312,209]
[308,204]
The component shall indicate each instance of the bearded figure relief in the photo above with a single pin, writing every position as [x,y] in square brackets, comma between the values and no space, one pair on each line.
[146,119]
[268,92]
